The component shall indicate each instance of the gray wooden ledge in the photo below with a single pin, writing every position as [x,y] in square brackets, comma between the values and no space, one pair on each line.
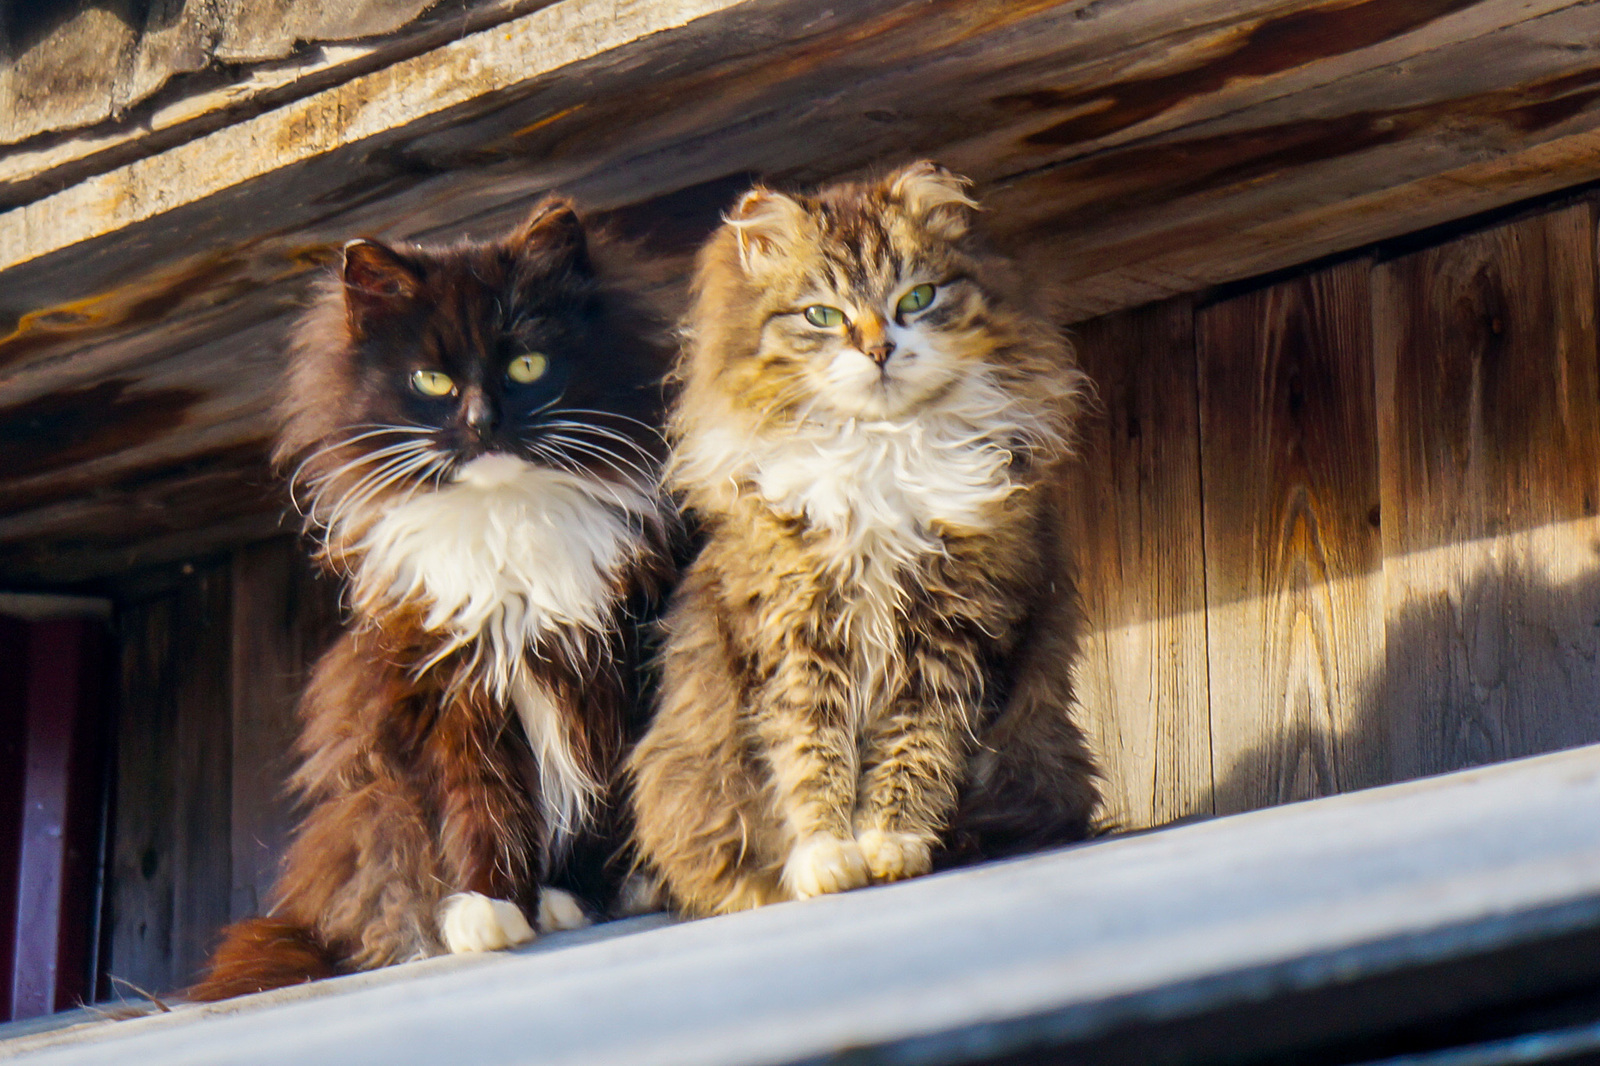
[1411,892]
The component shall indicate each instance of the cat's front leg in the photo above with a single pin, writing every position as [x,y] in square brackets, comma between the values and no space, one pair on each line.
[803,722]
[487,833]
[913,759]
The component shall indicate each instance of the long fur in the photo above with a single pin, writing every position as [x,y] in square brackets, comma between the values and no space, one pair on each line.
[461,739]
[260,954]
[867,669]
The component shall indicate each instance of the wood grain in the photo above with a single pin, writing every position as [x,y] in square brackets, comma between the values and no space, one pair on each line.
[1429,901]
[171,866]
[1289,461]
[140,878]
[1129,151]
[68,69]
[211,65]
[1137,527]
[1490,444]
[283,617]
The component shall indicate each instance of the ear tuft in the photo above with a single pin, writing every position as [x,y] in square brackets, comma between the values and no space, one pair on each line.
[377,280]
[552,226]
[935,197]
[763,221]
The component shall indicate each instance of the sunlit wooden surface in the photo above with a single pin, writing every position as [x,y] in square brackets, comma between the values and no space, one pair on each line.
[1422,881]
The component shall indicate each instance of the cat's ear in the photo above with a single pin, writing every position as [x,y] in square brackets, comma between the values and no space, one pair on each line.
[935,197]
[377,280]
[553,228]
[764,222]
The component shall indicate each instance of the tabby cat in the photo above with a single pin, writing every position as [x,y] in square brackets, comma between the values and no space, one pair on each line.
[470,434]
[867,669]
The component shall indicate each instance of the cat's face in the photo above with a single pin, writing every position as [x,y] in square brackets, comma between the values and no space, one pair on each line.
[867,307]
[472,362]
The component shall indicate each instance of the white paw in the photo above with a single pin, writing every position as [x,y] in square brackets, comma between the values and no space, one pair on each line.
[895,856]
[641,894]
[471,921]
[821,863]
[559,910]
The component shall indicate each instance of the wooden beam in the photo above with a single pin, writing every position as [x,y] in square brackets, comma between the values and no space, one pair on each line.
[94,91]
[409,91]
[1502,112]
[1130,151]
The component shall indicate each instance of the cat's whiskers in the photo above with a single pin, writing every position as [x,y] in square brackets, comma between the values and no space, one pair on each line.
[390,458]
[355,501]
[555,458]
[575,435]
[605,455]
[383,457]
[298,476]
[603,433]
[326,477]
[380,481]
[602,446]
[652,430]
[570,465]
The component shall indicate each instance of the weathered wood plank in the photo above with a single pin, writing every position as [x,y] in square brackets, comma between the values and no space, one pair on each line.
[1132,150]
[283,617]
[74,68]
[1293,570]
[171,868]
[202,844]
[1490,444]
[143,462]
[231,84]
[1069,94]
[1400,904]
[139,884]
[458,73]
[1385,150]
[1137,529]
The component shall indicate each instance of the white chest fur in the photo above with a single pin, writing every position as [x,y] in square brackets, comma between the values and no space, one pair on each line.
[883,492]
[882,488]
[508,555]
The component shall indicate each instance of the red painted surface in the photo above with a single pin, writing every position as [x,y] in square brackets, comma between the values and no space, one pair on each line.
[49,927]
[13,719]
[82,852]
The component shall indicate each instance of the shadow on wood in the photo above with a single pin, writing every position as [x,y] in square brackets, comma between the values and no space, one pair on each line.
[1503,666]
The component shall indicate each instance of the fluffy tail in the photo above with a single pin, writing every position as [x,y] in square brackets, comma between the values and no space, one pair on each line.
[258,954]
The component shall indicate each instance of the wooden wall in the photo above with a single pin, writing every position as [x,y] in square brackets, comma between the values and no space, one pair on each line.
[213,656]
[1338,529]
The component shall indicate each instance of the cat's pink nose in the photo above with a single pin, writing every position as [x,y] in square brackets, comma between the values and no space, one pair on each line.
[880,353]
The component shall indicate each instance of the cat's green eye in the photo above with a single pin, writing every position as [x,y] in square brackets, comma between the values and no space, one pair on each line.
[915,300]
[823,316]
[432,383]
[526,369]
